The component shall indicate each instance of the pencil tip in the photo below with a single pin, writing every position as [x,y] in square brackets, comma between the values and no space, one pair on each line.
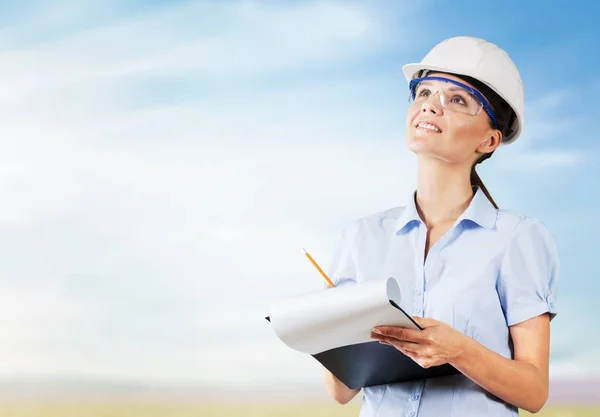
[304,250]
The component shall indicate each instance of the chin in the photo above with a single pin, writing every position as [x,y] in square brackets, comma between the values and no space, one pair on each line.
[420,144]
[426,148]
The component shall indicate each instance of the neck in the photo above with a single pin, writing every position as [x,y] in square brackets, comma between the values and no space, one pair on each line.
[443,191]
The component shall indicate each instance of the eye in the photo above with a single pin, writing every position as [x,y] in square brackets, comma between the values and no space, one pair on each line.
[459,99]
[423,92]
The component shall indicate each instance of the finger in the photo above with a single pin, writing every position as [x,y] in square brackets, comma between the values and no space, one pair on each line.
[401,333]
[384,340]
[414,356]
[400,345]
[422,361]
[410,347]
[393,343]
[411,355]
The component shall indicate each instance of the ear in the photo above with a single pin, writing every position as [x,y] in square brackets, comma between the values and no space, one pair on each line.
[492,140]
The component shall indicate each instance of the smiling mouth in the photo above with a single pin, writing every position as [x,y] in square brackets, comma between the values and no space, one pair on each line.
[430,127]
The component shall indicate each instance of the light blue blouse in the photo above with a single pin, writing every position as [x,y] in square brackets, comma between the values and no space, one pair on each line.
[492,269]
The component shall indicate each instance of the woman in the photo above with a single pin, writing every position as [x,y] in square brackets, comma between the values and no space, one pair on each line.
[481,281]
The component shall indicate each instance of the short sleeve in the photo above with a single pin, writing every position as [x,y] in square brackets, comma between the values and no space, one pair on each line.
[529,273]
[342,270]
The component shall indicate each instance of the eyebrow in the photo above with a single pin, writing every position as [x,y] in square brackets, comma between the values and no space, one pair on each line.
[452,87]
[456,88]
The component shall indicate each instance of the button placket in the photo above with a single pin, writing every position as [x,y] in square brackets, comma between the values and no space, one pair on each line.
[414,399]
[418,304]
[420,276]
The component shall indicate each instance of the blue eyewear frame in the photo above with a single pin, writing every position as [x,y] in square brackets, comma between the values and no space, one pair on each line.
[486,106]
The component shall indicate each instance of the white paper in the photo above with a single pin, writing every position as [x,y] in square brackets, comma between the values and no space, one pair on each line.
[339,316]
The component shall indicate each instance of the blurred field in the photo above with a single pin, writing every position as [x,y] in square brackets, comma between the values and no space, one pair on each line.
[148,409]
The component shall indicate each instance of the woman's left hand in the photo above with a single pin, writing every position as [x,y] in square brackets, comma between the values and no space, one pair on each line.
[437,344]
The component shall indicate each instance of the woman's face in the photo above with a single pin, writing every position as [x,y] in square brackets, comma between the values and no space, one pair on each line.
[451,136]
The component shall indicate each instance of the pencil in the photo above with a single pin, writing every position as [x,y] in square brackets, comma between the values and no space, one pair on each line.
[318,267]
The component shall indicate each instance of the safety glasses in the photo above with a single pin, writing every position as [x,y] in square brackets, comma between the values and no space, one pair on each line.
[454,96]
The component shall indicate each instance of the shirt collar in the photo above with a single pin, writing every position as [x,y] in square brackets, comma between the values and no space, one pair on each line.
[409,215]
[480,211]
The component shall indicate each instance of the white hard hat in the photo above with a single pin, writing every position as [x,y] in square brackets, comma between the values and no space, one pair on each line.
[482,60]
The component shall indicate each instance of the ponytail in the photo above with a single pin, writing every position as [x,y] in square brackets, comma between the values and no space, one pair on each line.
[476,181]
[504,116]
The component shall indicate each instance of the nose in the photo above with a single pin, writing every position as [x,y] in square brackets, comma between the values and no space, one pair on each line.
[432,104]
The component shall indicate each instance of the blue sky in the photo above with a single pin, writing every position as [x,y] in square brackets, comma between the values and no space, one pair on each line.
[164,164]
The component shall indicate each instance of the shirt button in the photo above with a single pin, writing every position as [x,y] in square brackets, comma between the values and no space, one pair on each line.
[412,414]
[414,397]
[418,309]
[418,292]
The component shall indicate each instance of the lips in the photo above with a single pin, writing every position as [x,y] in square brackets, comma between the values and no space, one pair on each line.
[428,125]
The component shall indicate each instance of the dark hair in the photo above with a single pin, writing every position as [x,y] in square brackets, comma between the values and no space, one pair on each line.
[505,117]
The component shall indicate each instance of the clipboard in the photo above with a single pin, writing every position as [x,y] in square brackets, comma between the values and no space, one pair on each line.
[361,362]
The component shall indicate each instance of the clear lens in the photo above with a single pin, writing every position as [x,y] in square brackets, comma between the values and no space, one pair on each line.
[451,96]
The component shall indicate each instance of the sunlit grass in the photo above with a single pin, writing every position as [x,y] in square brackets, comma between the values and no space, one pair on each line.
[179,409]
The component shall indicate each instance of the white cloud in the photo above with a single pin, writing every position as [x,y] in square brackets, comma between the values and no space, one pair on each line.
[539,107]
[250,38]
[542,160]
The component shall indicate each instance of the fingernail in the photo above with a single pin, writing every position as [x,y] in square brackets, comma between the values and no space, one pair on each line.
[377,331]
